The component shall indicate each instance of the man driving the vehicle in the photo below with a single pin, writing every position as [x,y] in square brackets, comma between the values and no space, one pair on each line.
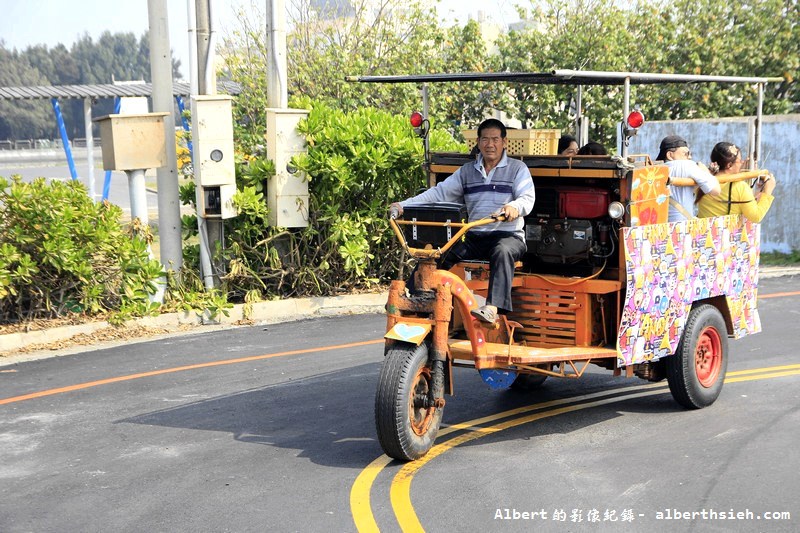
[493,184]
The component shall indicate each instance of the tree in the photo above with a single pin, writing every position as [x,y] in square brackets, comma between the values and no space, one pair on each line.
[26,119]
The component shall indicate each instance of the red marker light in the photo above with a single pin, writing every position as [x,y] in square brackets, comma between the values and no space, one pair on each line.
[635,119]
[416,119]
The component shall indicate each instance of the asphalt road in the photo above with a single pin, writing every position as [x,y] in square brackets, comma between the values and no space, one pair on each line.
[271,429]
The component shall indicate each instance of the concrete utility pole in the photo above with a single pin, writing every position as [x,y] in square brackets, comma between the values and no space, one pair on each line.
[169,207]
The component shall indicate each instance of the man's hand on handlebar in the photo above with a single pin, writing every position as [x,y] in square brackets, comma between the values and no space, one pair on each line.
[508,212]
[395,211]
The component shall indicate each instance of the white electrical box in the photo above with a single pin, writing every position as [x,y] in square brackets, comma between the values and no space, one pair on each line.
[212,140]
[212,155]
[287,190]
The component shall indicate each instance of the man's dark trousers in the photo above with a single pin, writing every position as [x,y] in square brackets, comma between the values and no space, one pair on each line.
[502,249]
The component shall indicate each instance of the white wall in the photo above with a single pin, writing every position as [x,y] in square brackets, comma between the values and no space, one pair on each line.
[780,154]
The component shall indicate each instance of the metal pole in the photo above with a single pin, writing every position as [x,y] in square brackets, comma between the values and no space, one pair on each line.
[757,150]
[138,195]
[579,116]
[425,111]
[202,31]
[210,230]
[169,206]
[64,138]
[626,109]
[277,92]
[87,122]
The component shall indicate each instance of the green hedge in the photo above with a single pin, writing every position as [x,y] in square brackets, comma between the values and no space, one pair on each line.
[61,253]
[357,163]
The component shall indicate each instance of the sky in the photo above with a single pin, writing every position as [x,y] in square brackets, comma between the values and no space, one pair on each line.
[50,22]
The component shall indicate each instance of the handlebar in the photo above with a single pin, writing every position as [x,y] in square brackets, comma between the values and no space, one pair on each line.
[436,253]
[725,178]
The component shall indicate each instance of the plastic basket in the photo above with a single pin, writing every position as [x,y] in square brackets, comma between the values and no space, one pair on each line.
[524,142]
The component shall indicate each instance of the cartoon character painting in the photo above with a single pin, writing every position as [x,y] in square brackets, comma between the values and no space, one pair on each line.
[697,259]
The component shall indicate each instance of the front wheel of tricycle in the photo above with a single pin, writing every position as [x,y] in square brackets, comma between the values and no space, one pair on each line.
[696,371]
[406,420]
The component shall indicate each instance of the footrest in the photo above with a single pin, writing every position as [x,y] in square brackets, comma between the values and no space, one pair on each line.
[527,355]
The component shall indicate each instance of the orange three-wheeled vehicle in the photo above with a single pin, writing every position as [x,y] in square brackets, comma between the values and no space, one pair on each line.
[606,281]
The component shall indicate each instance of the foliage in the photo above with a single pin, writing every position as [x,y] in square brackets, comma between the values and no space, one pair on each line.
[780,258]
[681,36]
[357,163]
[62,252]
[23,119]
[372,38]
[114,56]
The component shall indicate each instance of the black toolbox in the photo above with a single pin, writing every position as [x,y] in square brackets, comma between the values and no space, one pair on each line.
[419,236]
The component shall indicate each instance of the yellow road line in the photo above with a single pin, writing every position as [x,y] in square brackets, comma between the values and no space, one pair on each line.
[359,495]
[400,490]
[362,486]
[762,376]
[760,370]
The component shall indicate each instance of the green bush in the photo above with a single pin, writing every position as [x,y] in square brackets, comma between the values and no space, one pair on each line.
[62,253]
[357,163]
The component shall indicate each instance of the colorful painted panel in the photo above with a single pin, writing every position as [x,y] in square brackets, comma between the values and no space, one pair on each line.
[671,265]
[649,196]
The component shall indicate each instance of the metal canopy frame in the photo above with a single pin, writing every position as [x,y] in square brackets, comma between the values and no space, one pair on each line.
[580,78]
[564,77]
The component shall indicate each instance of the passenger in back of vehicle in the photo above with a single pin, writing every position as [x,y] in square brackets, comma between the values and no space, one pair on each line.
[674,151]
[737,197]
[567,145]
[593,148]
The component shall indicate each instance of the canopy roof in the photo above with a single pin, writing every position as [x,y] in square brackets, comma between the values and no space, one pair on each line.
[101,91]
[564,77]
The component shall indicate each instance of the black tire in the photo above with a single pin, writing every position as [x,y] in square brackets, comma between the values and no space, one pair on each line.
[528,382]
[406,422]
[696,371]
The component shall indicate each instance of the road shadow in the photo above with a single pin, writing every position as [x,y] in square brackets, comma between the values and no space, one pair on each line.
[329,418]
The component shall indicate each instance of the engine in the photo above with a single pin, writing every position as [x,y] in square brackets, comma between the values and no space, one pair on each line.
[570,226]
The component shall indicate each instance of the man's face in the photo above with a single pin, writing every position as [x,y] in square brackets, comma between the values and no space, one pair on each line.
[679,154]
[491,144]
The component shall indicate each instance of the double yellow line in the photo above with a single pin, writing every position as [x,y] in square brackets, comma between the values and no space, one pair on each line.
[400,490]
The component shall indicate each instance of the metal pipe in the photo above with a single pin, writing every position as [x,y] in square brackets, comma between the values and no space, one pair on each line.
[138,195]
[87,123]
[426,144]
[277,91]
[62,130]
[757,152]
[107,178]
[723,178]
[751,143]
[579,116]
[622,142]
[658,77]
[192,15]
[211,74]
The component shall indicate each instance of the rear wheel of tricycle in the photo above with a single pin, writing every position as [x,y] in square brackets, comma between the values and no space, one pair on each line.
[529,382]
[696,371]
[405,417]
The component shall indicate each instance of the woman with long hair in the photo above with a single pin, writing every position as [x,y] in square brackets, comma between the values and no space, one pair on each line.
[736,197]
